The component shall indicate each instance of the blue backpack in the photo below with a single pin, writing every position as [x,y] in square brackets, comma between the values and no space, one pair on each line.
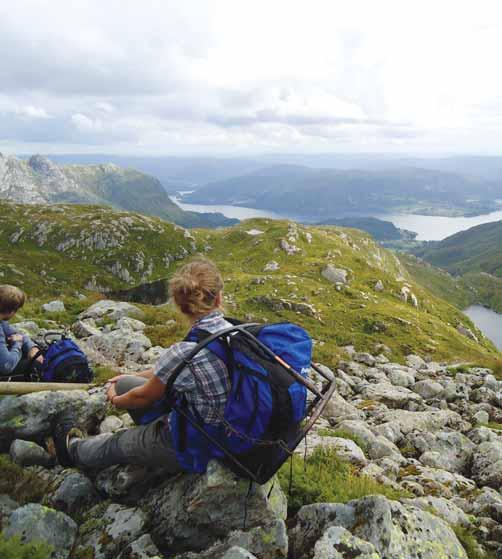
[64,361]
[268,367]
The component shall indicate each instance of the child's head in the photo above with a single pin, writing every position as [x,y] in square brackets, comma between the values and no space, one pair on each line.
[11,300]
[196,287]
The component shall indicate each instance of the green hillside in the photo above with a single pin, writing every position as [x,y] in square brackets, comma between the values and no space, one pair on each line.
[478,249]
[58,250]
[50,250]
[474,257]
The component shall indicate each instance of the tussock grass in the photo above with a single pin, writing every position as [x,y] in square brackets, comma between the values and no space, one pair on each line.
[325,478]
[22,485]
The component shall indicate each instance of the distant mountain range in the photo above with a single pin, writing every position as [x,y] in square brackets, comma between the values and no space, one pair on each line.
[39,180]
[325,193]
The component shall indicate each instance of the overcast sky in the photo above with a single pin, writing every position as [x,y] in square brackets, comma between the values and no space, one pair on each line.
[235,77]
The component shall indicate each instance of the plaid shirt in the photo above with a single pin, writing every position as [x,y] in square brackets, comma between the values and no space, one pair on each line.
[206,383]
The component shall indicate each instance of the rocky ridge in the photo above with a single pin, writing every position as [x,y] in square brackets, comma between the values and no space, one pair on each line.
[41,181]
[428,432]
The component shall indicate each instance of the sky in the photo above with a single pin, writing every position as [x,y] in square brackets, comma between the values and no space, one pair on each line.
[237,77]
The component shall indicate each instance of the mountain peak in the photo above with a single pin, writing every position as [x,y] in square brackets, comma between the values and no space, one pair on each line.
[41,164]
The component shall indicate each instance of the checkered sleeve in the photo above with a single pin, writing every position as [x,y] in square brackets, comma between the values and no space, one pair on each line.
[170,359]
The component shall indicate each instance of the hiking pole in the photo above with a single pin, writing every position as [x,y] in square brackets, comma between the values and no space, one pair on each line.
[18,388]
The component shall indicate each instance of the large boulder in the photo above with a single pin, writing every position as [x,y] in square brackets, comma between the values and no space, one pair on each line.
[447,450]
[35,522]
[395,530]
[392,396]
[29,416]
[192,511]
[112,310]
[120,345]
[335,275]
[487,464]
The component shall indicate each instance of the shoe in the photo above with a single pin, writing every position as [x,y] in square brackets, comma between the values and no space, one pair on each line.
[64,430]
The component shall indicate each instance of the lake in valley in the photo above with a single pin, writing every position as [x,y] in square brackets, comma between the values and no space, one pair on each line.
[488,321]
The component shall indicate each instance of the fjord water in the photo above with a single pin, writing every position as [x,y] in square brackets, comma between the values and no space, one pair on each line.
[488,321]
[437,228]
[427,227]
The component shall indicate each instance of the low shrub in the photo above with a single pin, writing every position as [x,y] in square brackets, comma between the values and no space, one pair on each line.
[14,548]
[470,543]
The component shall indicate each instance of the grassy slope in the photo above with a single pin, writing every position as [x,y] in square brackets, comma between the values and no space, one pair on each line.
[95,237]
[356,315]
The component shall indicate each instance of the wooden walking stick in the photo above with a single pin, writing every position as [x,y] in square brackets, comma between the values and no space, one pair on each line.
[17,388]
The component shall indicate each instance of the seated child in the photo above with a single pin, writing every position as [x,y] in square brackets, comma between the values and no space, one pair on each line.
[16,350]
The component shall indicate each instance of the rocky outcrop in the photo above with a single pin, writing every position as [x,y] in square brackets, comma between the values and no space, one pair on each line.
[410,429]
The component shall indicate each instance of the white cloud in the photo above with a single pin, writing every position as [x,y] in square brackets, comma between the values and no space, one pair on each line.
[163,76]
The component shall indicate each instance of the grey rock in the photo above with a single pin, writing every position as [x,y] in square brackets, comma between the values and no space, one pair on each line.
[427,421]
[428,389]
[487,464]
[395,530]
[27,453]
[365,358]
[382,447]
[444,508]
[346,449]
[53,306]
[335,275]
[127,323]
[238,553]
[111,310]
[75,493]
[454,451]
[456,391]
[34,522]
[197,510]
[266,542]
[357,428]
[120,345]
[339,543]
[481,417]
[416,362]
[402,378]
[107,533]
[85,328]
[271,266]
[391,396]
[338,408]
[29,416]
[142,548]
[482,434]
